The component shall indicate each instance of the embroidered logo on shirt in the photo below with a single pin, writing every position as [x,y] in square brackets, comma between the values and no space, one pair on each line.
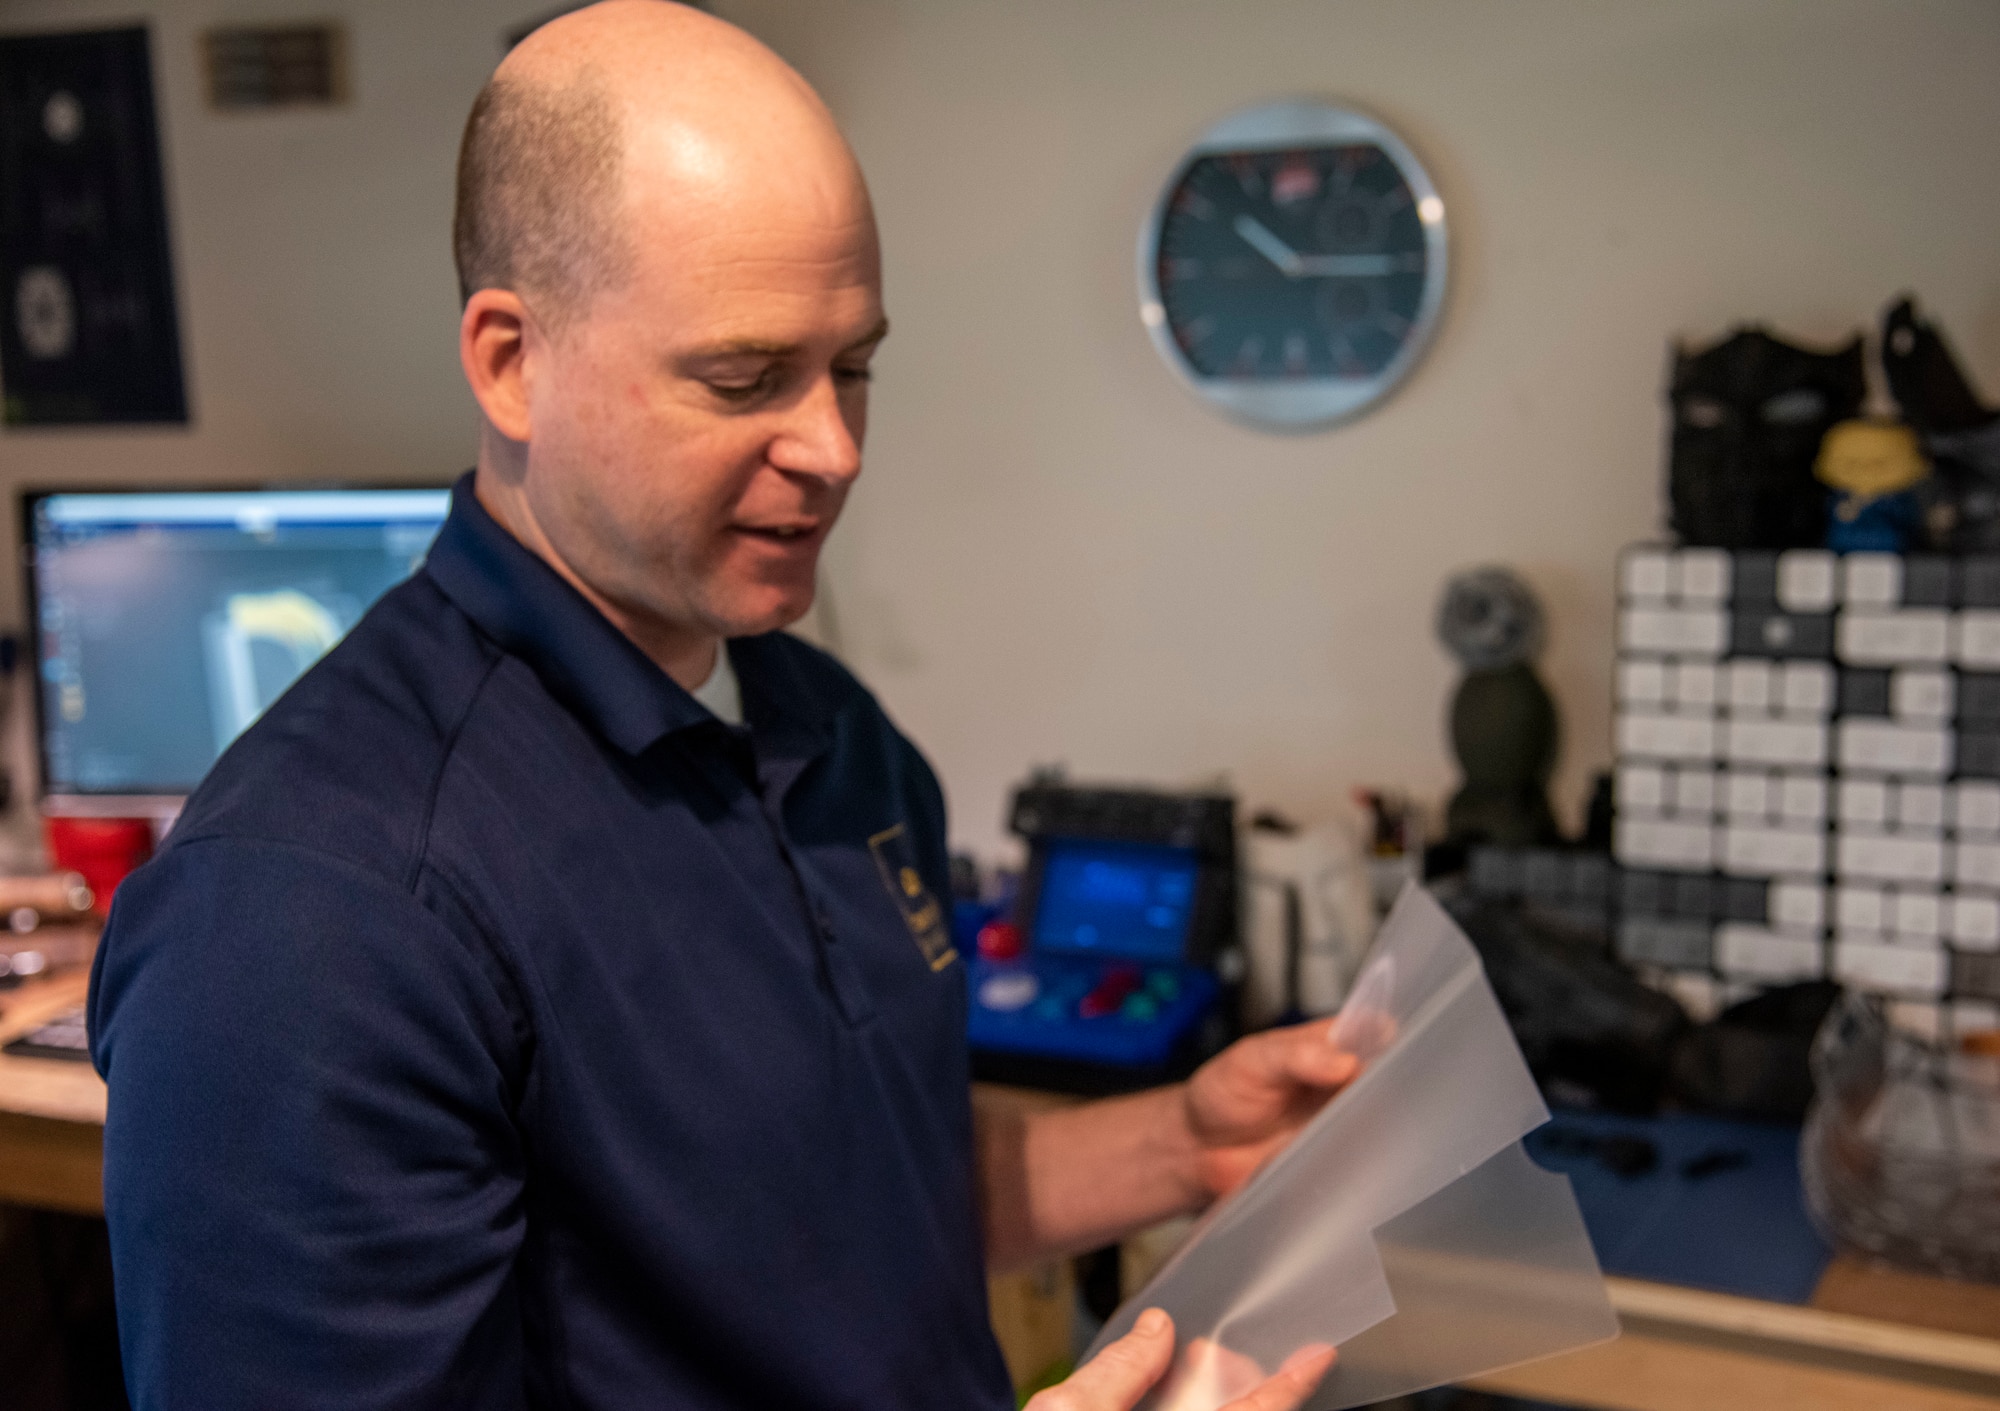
[896,860]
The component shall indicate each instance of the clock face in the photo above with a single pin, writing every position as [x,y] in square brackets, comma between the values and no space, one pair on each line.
[1295,265]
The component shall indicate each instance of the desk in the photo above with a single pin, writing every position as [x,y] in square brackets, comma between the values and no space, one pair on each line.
[1871,1338]
[51,1111]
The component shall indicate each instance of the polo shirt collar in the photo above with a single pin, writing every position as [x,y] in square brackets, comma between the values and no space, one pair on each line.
[534,613]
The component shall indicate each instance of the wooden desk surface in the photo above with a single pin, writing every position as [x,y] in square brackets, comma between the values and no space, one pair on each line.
[51,1110]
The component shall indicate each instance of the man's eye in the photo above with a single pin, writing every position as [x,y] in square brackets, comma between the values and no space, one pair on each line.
[741,391]
[855,374]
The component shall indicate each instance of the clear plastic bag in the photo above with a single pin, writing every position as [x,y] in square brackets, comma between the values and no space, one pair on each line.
[1406,1224]
[1901,1151]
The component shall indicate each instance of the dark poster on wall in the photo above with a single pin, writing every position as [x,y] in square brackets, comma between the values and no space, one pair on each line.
[86,280]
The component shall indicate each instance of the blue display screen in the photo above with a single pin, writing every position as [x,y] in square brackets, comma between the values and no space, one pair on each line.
[1134,901]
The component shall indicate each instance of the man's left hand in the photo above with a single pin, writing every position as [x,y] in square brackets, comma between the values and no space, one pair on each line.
[1246,1103]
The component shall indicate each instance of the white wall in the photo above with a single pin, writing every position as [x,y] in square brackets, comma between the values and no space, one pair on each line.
[1057,554]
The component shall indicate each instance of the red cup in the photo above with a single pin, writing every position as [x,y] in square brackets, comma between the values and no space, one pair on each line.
[103,850]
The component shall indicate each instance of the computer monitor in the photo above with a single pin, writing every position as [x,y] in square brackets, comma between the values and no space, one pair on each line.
[164,622]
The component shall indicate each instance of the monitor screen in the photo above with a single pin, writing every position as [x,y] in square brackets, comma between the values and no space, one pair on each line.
[1134,901]
[166,622]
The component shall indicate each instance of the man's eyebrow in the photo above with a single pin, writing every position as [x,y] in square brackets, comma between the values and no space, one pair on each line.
[873,335]
[765,348]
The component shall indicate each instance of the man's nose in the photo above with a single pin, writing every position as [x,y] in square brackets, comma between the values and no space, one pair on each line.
[818,439]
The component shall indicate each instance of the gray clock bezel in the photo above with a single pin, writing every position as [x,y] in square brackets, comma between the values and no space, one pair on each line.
[1299,404]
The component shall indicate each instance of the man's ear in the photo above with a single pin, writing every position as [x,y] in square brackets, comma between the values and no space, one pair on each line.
[493,342]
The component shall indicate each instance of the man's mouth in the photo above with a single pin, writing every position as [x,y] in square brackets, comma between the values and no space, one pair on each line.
[781,533]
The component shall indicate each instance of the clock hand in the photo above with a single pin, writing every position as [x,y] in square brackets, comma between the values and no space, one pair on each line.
[1350,266]
[1269,246]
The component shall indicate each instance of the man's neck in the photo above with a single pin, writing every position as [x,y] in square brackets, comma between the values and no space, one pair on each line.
[688,655]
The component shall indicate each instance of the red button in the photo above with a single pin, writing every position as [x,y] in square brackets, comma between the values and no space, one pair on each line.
[1111,992]
[1000,940]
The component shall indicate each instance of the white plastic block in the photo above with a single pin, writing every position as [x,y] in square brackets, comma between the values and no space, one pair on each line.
[1859,908]
[1655,842]
[1975,864]
[1909,636]
[1917,916]
[1887,857]
[1646,575]
[1780,742]
[1746,795]
[1798,906]
[1752,851]
[1872,580]
[1697,632]
[1642,681]
[1694,791]
[1921,694]
[1976,639]
[1806,688]
[1805,580]
[1973,921]
[1890,748]
[1919,807]
[1915,970]
[1642,788]
[1863,801]
[1749,685]
[1975,807]
[1969,1016]
[1702,575]
[1753,953]
[1691,685]
[1695,991]
[1916,1018]
[1802,798]
[1651,735]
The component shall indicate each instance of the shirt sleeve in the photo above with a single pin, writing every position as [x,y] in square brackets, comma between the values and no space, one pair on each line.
[313,1175]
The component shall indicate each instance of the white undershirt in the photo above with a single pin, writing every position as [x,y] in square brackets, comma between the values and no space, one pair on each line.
[721,693]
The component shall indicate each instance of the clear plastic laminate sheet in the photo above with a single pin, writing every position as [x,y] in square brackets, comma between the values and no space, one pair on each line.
[1406,1225]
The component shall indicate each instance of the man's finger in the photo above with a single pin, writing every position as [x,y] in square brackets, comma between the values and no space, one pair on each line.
[1117,1377]
[1291,1384]
[1300,1054]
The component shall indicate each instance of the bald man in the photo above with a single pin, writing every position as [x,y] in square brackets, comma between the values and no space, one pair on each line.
[543,1004]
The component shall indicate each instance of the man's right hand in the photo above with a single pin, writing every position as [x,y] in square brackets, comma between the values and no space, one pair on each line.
[1119,1376]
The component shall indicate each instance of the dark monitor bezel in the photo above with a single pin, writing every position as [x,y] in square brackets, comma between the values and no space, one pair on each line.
[107,804]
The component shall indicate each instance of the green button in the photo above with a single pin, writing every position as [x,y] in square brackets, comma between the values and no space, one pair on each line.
[1164,984]
[1140,1008]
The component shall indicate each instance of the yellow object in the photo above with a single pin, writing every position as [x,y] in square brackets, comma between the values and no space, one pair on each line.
[1871,458]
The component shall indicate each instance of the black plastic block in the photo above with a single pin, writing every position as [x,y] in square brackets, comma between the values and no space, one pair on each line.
[1864,692]
[1979,581]
[1979,754]
[1746,899]
[1927,581]
[1979,696]
[1753,579]
[1782,634]
[1675,945]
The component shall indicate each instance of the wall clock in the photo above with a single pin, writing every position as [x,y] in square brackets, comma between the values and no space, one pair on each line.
[1293,268]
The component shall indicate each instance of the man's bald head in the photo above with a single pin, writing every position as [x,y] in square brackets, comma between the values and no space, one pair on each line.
[543,169]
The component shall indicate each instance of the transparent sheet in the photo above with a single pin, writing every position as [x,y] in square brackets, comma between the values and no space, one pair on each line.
[1406,1225]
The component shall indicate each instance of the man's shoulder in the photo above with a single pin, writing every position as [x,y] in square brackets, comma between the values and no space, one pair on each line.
[346,761]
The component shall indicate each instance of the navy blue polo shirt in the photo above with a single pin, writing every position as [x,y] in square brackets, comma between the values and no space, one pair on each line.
[500,1029]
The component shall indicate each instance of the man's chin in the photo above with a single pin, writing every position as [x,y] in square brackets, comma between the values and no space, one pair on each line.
[762,613]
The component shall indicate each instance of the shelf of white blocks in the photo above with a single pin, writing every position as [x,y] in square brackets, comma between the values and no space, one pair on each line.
[1808,779]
